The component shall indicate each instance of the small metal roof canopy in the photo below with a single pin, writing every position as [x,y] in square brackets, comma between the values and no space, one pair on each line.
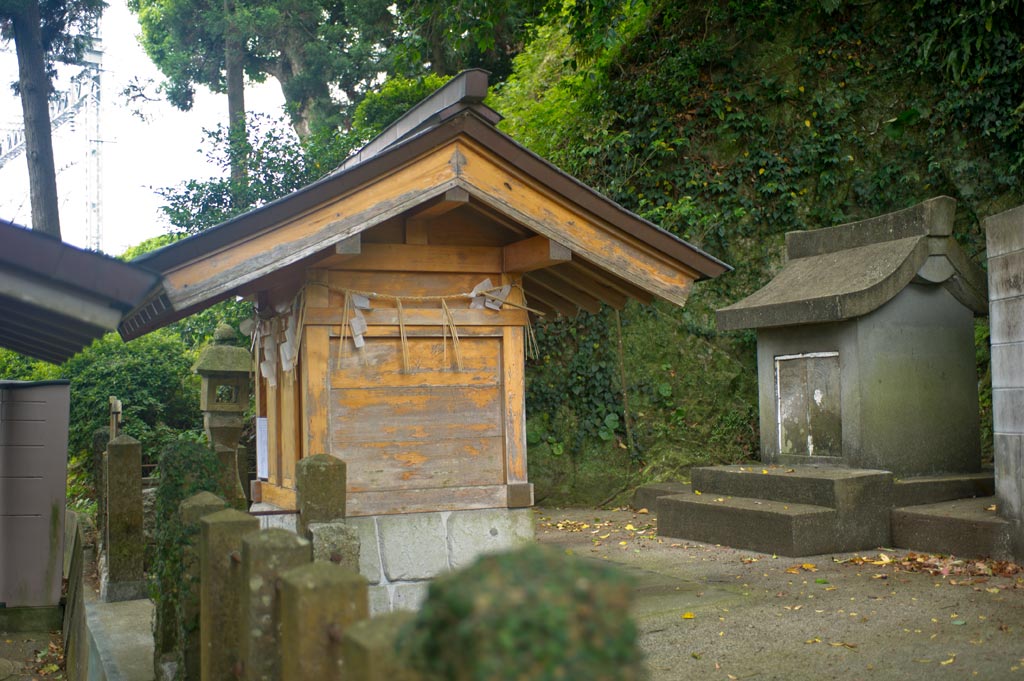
[55,299]
[445,155]
[850,270]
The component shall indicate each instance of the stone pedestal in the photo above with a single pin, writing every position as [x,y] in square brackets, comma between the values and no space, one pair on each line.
[122,576]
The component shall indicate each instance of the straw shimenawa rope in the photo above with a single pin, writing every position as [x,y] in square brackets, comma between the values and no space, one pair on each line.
[447,322]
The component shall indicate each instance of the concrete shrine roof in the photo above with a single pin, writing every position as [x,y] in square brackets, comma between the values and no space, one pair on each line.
[850,270]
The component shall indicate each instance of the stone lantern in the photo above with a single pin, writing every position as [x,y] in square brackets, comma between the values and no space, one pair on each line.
[223,398]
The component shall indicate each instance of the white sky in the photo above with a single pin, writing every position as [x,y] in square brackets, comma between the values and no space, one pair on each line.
[137,157]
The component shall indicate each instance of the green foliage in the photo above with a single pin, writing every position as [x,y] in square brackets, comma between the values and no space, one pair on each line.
[66,28]
[575,372]
[186,468]
[150,245]
[15,367]
[730,124]
[454,35]
[152,376]
[276,164]
[547,616]
[395,97]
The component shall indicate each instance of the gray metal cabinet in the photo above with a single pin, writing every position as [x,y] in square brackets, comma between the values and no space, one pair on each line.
[33,479]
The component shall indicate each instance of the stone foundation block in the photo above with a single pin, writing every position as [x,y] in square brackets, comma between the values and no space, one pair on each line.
[409,596]
[413,546]
[380,599]
[336,542]
[285,521]
[369,548]
[472,534]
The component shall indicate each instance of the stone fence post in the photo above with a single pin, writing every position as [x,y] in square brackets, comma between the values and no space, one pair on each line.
[265,555]
[319,601]
[184,619]
[320,483]
[368,649]
[220,563]
[123,578]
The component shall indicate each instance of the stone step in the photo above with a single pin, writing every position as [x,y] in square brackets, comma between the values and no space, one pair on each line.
[933,489]
[830,486]
[961,527]
[758,525]
[647,496]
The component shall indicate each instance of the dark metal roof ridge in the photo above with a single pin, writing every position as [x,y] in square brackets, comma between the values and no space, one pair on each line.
[467,88]
[120,283]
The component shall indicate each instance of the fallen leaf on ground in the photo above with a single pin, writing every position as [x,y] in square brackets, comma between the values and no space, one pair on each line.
[687,616]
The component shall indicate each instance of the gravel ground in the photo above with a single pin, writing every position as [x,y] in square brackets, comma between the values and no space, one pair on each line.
[712,612]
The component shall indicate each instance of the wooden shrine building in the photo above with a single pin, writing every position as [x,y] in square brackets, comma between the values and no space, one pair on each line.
[394,299]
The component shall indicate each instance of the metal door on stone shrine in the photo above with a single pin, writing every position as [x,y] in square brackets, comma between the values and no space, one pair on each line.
[807,404]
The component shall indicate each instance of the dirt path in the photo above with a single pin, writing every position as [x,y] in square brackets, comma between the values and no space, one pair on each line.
[710,612]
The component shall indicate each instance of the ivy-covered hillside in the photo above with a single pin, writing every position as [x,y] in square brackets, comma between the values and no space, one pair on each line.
[730,124]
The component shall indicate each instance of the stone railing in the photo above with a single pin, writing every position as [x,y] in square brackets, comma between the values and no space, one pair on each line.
[272,603]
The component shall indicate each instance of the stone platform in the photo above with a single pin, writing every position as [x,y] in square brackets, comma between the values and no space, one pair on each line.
[961,527]
[811,510]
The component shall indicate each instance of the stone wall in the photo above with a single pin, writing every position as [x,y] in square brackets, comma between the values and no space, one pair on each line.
[400,554]
[1005,236]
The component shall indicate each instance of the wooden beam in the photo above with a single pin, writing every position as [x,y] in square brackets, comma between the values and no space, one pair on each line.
[420,258]
[388,316]
[315,369]
[452,199]
[535,292]
[514,394]
[309,233]
[620,285]
[570,293]
[385,502]
[349,247]
[534,254]
[541,306]
[583,281]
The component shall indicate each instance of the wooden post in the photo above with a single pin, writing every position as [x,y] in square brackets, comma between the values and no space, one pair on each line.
[115,417]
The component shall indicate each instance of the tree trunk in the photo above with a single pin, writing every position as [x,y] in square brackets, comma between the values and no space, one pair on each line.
[35,89]
[237,136]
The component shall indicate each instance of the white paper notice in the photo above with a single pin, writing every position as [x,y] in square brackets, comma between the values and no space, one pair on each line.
[262,456]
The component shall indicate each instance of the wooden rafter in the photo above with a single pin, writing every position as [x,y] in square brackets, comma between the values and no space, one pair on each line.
[577,297]
[533,254]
